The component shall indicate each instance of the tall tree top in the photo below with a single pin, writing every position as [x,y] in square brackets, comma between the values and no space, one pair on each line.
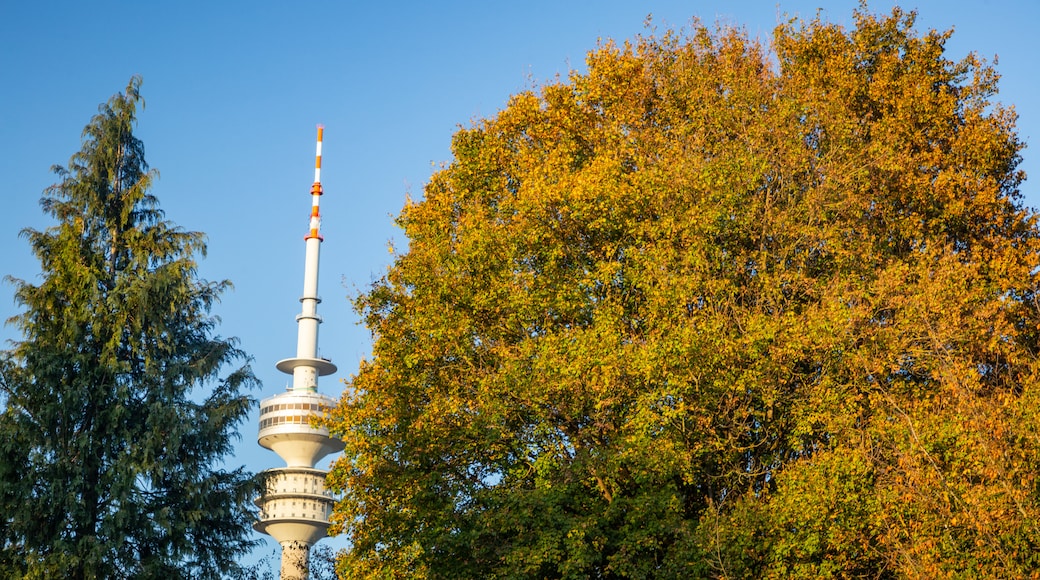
[121,404]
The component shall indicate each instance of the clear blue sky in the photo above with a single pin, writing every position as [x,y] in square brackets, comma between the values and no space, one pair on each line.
[234,91]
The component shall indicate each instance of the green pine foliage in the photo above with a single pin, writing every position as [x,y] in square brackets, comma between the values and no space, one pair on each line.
[120,404]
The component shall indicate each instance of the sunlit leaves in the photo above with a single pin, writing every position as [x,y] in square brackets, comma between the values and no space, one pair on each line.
[710,309]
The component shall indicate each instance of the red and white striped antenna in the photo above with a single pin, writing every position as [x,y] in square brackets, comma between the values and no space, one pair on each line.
[316,191]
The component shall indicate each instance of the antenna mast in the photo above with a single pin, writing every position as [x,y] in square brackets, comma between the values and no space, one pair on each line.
[306,366]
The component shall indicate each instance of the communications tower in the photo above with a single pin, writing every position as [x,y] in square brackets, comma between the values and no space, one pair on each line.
[295,508]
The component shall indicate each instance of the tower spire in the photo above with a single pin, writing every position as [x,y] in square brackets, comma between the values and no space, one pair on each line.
[306,366]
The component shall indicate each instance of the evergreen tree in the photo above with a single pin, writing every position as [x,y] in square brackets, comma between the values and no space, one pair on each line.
[711,309]
[119,408]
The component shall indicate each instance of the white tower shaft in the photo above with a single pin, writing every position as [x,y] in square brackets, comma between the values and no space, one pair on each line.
[304,376]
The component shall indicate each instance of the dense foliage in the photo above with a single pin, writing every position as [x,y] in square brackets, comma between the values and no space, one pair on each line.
[117,411]
[711,309]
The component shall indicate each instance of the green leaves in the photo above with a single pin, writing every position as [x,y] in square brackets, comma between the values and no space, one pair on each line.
[118,403]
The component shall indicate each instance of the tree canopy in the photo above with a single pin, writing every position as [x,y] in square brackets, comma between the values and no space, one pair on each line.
[711,308]
[119,407]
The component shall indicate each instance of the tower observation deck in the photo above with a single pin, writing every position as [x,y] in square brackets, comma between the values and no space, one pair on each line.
[295,507]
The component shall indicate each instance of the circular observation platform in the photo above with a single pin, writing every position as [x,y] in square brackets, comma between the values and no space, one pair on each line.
[295,505]
[286,429]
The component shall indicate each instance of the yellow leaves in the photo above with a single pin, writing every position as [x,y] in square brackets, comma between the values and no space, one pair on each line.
[798,295]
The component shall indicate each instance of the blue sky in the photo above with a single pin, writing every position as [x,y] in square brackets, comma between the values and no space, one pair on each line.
[234,90]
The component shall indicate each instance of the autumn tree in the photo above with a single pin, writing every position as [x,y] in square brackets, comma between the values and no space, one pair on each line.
[711,309]
[120,404]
